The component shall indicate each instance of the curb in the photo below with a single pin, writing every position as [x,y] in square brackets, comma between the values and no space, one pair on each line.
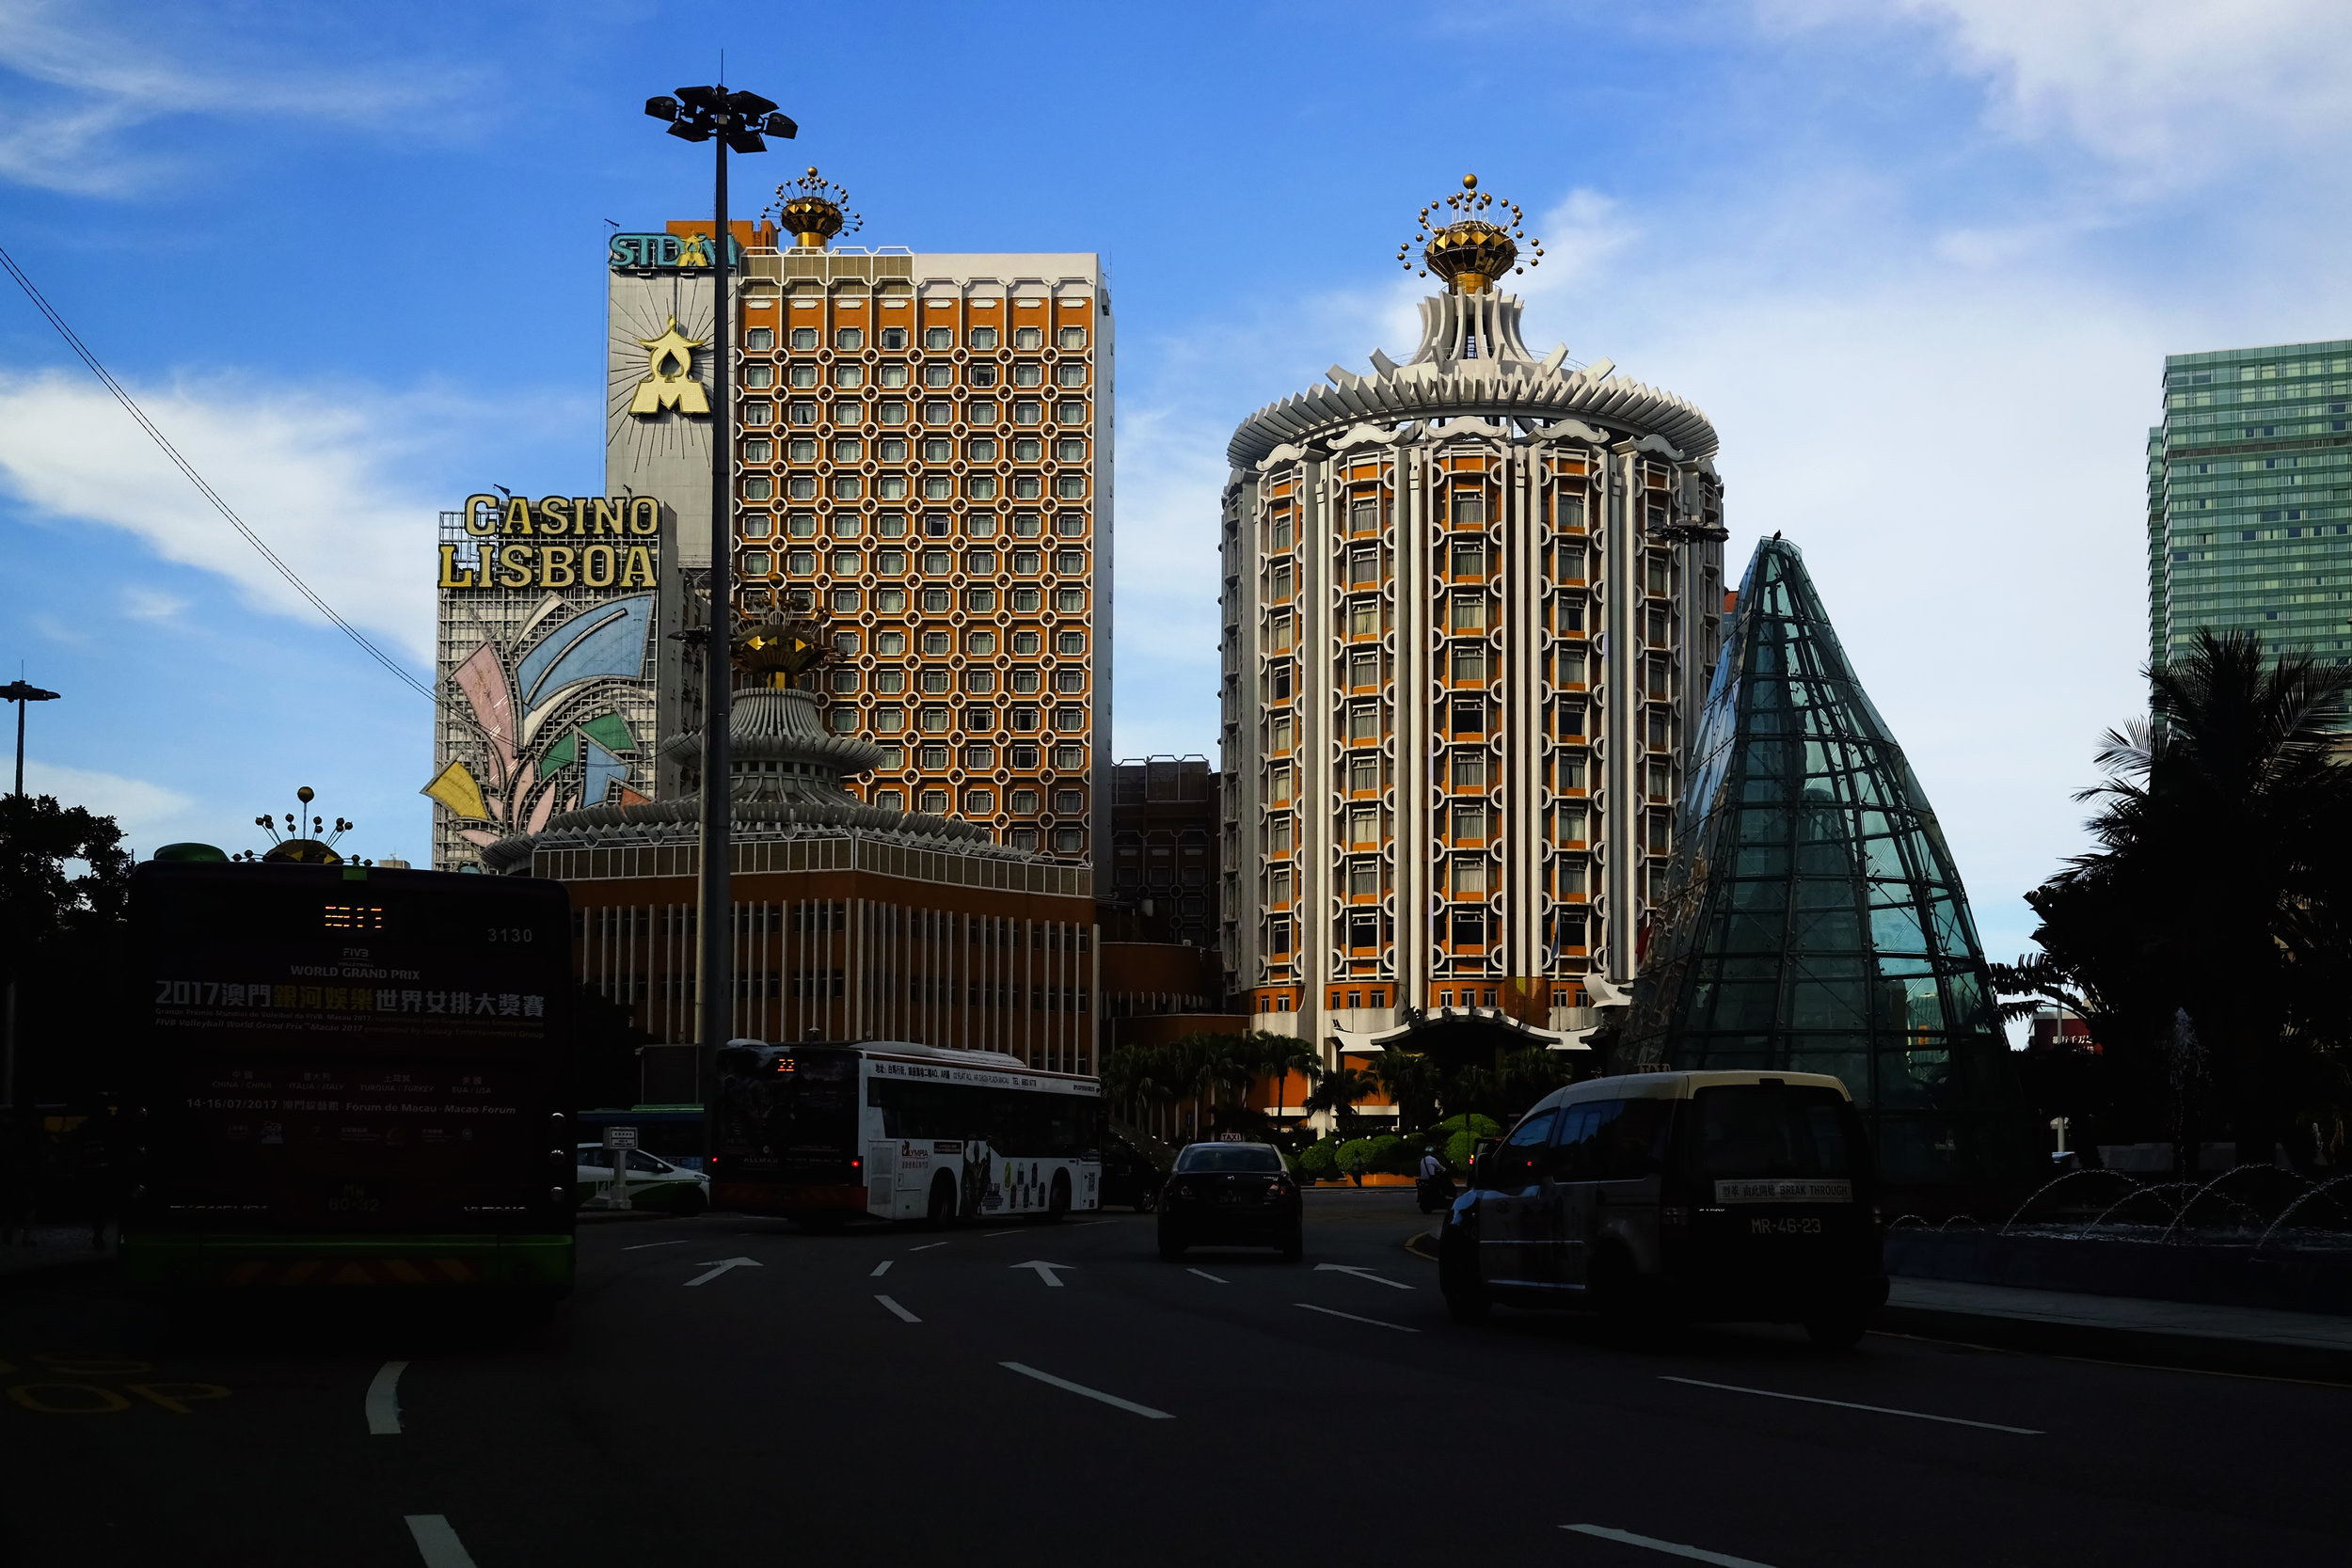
[2137,1347]
[1422,1244]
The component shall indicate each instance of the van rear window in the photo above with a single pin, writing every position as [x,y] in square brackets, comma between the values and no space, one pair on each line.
[1773,1129]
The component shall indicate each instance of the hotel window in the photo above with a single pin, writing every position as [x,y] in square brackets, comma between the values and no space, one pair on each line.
[801,488]
[982,488]
[848,375]
[1470,930]
[1470,824]
[1469,878]
[1470,613]
[981,601]
[760,337]
[1022,838]
[1069,841]
[1070,373]
[1069,601]
[1469,718]
[1470,561]
[1069,525]
[1571,669]
[804,338]
[1026,525]
[1070,563]
[890,601]
[979,680]
[892,643]
[840,679]
[1069,680]
[1279,586]
[979,759]
[939,337]
[802,449]
[847,488]
[1028,375]
[889,720]
[1029,413]
[1363,773]
[891,799]
[1070,449]
[1568,824]
[1363,568]
[932,720]
[1279,939]
[890,679]
[1363,879]
[1570,876]
[1070,486]
[1027,487]
[801,413]
[982,452]
[1469,508]
[984,337]
[1279,834]
[1027,644]
[761,413]
[1071,337]
[1278,681]
[890,564]
[801,563]
[758,489]
[1284,632]
[1470,770]
[1363,514]
[758,378]
[1281,732]
[979,802]
[757,525]
[1279,785]
[1070,642]
[1571,719]
[938,488]
[1068,802]
[891,487]
[893,337]
[935,644]
[803,374]
[939,376]
[981,643]
[848,336]
[1025,801]
[759,452]
[1022,719]
[756,563]
[1027,336]
[800,525]
[1364,618]
[1661,780]
[1364,827]
[1069,720]
[1279,531]
[1470,666]
[1028,600]
[1071,411]
[1363,668]
[845,600]
[892,375]
[934,801]
[843,720]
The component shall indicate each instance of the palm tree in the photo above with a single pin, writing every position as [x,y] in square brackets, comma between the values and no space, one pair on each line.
[1339,1092]
[2220,886]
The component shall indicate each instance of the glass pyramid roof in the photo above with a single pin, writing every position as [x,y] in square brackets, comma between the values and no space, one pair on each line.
[1814,920]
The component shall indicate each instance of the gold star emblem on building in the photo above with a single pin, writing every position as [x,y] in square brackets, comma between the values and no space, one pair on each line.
[670,374]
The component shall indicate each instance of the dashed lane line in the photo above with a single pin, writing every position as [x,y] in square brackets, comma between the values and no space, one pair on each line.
[643,1245]
[1351,1317]
[1848,1405]
[899,1312]
[879,1269]
[1695,1554]
[383,1400]
[436,1543]
[925,1247]
[1209,1277]
[1113,1400]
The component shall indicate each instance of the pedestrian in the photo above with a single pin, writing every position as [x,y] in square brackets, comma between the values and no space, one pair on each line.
[21,1162]
[98,1170]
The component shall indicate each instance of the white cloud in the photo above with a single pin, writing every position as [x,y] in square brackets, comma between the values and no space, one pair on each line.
[2177,88]
[150,603]
[308,470]
[148,813]
[88,82]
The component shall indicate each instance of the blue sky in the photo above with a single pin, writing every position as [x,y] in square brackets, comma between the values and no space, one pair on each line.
[1919,259]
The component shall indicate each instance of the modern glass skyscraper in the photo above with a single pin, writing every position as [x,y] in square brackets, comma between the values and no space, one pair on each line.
[1815,920]
[2248,480]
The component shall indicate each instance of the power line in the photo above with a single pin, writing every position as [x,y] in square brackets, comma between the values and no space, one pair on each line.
[82,351]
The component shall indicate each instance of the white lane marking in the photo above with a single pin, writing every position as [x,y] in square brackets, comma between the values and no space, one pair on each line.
[383,1400]
[925,1247]
[1360,1274]
[1083,1224]
[643,1245]
[1693,1553]
[1143,1410]
[1207,1275]
[718,1267]
[436,1543]
[903,1315]
[1044,1270]
[989,1235]
[879,1269]
[1353,1319]
[1848,1405]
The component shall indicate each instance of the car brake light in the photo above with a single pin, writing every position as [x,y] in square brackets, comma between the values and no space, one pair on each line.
[855,1162]
[1276,1192]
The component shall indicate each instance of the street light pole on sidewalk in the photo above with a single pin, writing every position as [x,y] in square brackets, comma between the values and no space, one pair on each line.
[22,693]
[738,123]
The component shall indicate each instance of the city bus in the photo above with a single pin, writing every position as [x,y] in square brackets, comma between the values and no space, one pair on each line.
[346,1075]
[896,1131]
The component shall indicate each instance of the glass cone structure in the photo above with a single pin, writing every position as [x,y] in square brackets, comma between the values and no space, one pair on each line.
[1814,920]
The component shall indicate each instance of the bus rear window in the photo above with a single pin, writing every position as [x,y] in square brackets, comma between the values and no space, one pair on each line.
[1771,1129]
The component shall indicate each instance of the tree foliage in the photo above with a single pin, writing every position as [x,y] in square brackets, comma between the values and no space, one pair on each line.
[64,879]
[2219,893]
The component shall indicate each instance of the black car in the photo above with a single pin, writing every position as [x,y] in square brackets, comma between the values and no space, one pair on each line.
[1129,1176]
[1230,1195]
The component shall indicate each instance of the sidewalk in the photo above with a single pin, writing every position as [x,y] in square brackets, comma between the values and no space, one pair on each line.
[2125,1328]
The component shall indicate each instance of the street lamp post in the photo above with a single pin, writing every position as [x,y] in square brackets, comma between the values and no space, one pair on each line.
[737,122]
[20,692]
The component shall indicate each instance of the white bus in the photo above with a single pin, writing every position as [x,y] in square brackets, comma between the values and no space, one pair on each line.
[894,1131]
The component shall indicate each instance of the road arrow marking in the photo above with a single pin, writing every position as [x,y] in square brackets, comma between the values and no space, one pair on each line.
[1695,1554]
[715,1269]
[1044,1271]
[383,1404]
[1360,1274]
[879,1269]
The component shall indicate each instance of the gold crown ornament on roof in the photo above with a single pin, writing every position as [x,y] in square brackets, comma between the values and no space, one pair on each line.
[810,209]
[778,647]
[1468,250]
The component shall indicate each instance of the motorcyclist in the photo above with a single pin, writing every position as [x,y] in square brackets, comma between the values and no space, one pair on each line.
[1431,1165]
[1435,1182]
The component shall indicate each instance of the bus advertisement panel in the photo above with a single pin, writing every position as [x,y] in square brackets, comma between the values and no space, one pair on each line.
[350,1075]
[897,1131]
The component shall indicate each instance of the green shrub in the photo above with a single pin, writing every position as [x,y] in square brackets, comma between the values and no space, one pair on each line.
[1458,1135]
[1318,1159]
